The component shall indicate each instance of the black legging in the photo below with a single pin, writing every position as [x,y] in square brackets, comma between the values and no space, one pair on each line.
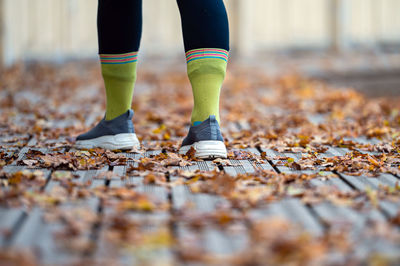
[119,24]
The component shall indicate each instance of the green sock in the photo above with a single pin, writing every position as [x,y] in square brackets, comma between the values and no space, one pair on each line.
[119,74]
[206,69]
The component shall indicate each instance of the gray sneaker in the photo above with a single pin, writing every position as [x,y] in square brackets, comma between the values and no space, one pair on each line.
[206,139]
[115,134]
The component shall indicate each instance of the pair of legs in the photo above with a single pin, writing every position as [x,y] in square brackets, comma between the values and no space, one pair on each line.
[206,41]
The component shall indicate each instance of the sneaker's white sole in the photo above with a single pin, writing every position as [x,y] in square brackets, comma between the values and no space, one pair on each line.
[206,149]
[124,141]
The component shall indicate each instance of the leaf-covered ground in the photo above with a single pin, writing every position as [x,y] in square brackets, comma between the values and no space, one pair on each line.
[312,176]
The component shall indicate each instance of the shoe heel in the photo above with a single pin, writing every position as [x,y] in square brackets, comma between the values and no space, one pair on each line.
[207,149]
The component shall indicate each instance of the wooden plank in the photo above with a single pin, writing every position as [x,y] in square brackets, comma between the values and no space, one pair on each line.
[37,234]
[363,140]
[206,165]
[134,181]
[21,154]
[14,140]
[359,223]
[361,182]
[335,151]
[230,170]
[45,150]
[132,155]
[239,167]
[331,152]
[293,210]
[51,143]
[217,242]
[303,216]
[213,240]
[180,196]
[332,181]
[150,153]
[14,217]
[341,214]
[145,222]
[253,150]
[284,169]
[197,165]
[118,180]
[88,177]
[384,179]
[389,209]
[247,166]
[154,191]
[190,168]
[264,166]
[22,221]
[274,154]
[10,222]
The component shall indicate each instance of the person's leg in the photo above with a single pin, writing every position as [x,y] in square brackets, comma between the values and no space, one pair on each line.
[206,39]
[119,25]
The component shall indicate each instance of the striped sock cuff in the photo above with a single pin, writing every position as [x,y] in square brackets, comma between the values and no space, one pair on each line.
[204,53]
[117,59]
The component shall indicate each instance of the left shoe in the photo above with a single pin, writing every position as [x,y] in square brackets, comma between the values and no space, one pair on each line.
[115,134]
[206,139]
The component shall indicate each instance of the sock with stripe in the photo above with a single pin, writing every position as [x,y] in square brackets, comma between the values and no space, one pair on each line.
[119,74]
[206,68]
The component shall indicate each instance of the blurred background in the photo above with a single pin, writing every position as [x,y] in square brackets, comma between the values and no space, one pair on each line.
[346,42]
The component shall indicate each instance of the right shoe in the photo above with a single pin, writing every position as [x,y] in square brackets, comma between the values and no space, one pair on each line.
[115,134]
[206,139]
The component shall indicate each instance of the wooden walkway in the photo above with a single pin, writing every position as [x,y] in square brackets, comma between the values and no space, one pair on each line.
[180,212]
[261,206]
